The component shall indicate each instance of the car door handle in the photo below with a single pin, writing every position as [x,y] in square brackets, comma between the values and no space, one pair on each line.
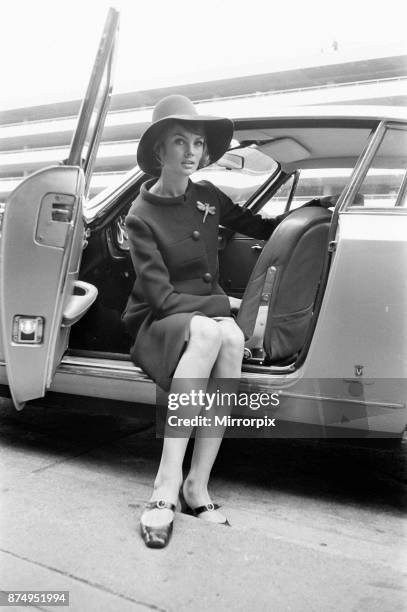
[83,296]
[257,247]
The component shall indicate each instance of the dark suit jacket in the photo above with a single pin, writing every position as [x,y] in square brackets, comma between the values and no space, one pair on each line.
[175,253]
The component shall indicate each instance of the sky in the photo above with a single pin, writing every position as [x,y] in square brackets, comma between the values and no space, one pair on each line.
[47,47]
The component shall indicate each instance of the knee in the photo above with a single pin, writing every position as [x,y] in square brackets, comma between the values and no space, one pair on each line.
[232,338]
[204,335]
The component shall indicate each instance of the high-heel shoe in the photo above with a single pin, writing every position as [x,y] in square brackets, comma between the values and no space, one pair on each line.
[157,537]
[199,509]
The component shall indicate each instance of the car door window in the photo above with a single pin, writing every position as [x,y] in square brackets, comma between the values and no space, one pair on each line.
[382,184]
[86,138]
[312,183]
[320,182]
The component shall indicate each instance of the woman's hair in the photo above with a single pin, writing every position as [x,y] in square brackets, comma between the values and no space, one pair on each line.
[198,128]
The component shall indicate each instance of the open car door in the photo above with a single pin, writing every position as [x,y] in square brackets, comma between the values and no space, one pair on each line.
[42,241]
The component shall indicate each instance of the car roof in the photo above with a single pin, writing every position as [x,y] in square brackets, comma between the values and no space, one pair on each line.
[311,137]
[251,108]
[297,131]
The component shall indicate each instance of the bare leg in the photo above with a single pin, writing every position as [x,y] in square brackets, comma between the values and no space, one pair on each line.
[228,367]
[196,363]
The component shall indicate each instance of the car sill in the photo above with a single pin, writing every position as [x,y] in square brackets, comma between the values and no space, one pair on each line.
[116,379]
[103,378]
[111,368]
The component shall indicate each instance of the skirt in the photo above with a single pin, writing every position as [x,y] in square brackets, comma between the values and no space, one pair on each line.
[159,345]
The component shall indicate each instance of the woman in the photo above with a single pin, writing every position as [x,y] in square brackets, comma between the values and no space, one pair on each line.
[178,314]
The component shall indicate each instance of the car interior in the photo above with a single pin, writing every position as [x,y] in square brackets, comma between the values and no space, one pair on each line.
[271,168]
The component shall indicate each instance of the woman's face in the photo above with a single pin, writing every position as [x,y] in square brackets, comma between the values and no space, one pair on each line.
[182,150]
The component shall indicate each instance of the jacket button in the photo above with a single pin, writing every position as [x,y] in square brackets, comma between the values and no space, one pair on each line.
[196,235]
[207,277]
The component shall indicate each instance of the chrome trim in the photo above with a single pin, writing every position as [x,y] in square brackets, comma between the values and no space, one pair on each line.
[101,118]
[111,364]
[94,206]
[361,167]
[258,195]
[328,398]
[104,60]
[400,198]
[394,124]
[98,213]
[392,210]
[383,128]
[403,187]
[96,373]
[99,363]
[113,369]
[129,372]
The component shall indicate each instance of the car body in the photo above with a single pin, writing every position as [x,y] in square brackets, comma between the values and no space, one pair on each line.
[66,271]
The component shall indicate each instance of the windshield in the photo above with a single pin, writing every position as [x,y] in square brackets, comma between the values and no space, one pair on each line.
[239,173]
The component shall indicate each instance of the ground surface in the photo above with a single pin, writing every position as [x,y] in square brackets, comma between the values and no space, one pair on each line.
[316,525]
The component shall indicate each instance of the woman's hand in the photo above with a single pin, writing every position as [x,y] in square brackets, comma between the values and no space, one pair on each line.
[234,303]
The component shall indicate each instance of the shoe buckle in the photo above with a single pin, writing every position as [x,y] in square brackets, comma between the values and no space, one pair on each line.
[210,507]
[160,503]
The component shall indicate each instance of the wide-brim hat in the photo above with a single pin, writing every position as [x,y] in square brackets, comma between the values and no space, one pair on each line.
[218,131]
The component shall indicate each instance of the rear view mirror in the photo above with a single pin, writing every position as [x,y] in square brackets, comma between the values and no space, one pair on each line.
[231,161]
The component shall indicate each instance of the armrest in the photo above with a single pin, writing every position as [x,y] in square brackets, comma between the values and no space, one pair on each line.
[84,294]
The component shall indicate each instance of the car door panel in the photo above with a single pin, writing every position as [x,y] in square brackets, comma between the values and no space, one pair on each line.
[361,329]
[42,242]
[236,262]
[361,333]
[39,265]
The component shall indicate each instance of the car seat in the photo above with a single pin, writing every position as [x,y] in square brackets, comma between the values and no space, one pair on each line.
[277,305]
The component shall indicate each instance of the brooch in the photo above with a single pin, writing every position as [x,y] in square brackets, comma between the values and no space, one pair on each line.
[205,208]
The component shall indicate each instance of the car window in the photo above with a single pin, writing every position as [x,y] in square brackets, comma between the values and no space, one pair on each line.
[277,204]
[312,183]
[320,182]
[384,178]
[239,173]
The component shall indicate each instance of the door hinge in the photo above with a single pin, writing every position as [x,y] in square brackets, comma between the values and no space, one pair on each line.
[332,246]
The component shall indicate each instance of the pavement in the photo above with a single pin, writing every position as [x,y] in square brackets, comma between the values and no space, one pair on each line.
[317,525]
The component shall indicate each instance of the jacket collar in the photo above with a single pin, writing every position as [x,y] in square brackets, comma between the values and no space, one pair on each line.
[156,199]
